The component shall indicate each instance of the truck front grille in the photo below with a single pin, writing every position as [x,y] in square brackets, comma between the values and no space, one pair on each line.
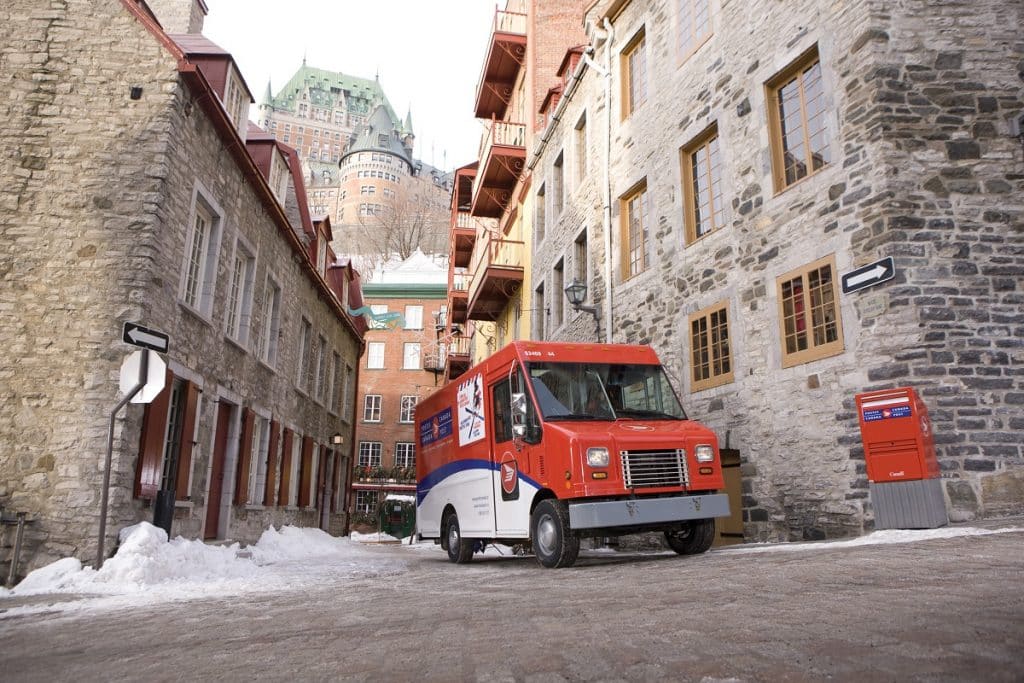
[648,469]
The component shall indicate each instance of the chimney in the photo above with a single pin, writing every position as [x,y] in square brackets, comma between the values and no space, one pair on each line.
[179,16]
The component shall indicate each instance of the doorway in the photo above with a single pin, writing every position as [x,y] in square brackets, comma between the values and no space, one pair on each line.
[215,497]
[729,530]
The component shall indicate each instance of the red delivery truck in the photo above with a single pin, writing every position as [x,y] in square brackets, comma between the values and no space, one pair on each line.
[553,442]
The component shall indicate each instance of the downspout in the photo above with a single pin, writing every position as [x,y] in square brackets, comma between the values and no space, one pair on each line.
[607,220]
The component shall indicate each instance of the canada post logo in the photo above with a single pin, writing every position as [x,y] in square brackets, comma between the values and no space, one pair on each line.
[437,427]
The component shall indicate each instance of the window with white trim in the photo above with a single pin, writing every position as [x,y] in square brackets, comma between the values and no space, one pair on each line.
[369,453]
[408,409]
[270,323]
[336,389]
[375,355]
[305,342]
[321,368]
[366,502]
[411,356]
[202,247]
[258,464]
[405,454]
[413,317]
[372,407]
[238,318]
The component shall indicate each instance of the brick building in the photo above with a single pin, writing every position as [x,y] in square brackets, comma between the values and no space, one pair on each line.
[711,169]
[400,365]
[138,191]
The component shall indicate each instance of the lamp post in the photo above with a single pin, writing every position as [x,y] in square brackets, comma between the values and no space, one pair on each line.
[576,293]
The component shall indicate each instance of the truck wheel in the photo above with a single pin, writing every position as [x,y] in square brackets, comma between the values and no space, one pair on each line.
[693,538]
[554,543]
[460,551]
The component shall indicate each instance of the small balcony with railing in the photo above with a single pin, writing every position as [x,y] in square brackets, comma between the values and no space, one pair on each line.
[458,295]
[497,277]
[458,360]
[506,53]
[502,160]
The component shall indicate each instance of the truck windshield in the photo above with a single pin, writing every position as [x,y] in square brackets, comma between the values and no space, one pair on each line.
[603,391]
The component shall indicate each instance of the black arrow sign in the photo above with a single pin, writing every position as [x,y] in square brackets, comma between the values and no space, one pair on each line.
[869,275]
[137,335]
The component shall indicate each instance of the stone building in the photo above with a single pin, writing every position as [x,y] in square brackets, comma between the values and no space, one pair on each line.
[712,169]
[357,155]
[400,365]
[138,191]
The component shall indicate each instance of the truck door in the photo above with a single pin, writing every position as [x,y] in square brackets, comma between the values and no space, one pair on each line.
[514,484]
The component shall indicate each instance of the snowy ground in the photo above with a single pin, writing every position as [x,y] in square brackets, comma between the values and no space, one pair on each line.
[148,569]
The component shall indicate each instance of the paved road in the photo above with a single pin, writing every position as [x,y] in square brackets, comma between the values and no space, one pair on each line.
[938,610]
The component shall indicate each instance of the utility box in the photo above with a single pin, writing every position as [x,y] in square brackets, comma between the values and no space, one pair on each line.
[899,453]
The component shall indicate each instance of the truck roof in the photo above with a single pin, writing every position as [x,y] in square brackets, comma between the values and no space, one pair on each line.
[576,352]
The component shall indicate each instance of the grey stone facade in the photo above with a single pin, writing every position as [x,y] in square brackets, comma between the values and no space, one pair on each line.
[99,192]
[919,99]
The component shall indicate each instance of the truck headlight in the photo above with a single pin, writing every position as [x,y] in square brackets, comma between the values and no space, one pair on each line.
[705,453]
[597,457]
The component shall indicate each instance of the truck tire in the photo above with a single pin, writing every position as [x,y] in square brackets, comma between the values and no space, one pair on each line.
[693,538]
[554,543]
[460,551]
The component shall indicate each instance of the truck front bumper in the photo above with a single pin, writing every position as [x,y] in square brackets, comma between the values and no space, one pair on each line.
[643,511]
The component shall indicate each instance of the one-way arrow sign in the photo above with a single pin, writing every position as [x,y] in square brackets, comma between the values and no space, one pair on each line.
[869,275]
[137,335]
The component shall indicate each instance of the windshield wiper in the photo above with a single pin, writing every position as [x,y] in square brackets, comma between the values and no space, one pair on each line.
[573,416]
[655,414]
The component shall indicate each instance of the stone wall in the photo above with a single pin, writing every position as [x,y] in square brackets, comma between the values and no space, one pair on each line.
[922,169]
[95,215]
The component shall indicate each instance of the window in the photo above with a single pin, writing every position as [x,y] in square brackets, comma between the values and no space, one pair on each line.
[408,409]
[581,148]
[201,249]
[557,288]
[375,356]
[414,317]
[260,451]
[703,205]
[270,323]
[694,25]
[635,238]
[366,502]
[710,352]
[581,257]
[348,393]
[239,304]
[321,368]
[332,403]
[538,222]
[634,75]
[808,313]
[305,342]
[369,453]
[293,470]
[372,407]
[557,186]
[377,310]
[538,313]
[796,116]
[168,429]
[411,356]
[405,455]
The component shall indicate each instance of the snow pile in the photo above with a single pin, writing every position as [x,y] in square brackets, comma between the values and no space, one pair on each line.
[147,563]
[376,537]
[886,537]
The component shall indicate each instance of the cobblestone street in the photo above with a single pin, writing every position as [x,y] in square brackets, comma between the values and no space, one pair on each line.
[939,610]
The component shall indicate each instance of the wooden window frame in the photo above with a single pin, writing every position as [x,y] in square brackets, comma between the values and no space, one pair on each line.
[701,145]
[371,407]
[626,240]
[773,86]
[637,42]
[813,351]
[698,39]
[717,358]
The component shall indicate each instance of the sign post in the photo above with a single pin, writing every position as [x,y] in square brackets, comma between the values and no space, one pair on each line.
[143,374]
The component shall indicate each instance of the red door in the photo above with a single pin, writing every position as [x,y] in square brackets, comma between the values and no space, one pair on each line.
[220,449]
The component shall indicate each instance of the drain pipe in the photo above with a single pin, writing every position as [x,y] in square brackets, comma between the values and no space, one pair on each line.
[607,72]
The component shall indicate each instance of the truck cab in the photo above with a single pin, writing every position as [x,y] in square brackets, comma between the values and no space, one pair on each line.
[549,443]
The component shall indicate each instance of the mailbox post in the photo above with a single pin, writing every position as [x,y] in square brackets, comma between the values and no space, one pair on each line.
[899,453]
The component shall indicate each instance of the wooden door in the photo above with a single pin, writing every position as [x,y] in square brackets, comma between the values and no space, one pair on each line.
[220,450]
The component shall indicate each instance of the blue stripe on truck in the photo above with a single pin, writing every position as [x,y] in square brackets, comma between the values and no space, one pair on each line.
[444,471]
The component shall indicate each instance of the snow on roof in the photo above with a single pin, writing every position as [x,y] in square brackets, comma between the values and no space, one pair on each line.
[419,268]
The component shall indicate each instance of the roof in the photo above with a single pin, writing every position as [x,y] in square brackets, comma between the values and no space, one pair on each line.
[382,133]
[197,44]
[361,94]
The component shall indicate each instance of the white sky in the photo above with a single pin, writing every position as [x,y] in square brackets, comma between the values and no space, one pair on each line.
[428,53]
[148,570]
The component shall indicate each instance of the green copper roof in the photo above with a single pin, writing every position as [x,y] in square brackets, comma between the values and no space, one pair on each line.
[325,86]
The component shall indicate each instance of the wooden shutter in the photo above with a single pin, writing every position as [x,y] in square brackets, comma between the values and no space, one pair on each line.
[286,469]
[268,492]
[151,448]
[336,481]
[188,429]
[305,471]
[244,456]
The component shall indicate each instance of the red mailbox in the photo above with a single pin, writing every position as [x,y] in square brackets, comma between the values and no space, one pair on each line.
[899,452]
[897,435]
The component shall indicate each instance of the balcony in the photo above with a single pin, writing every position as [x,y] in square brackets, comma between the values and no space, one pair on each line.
[462,238]
[458,358]
[502,159]
[458,297]
[505,55]
[497,276]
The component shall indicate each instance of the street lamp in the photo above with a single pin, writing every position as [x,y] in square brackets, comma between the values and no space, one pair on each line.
[576,293]
[337,439]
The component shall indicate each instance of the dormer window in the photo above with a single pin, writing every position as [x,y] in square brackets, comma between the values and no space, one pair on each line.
[321,254]
[279,176]
[236,102]
[382,140]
